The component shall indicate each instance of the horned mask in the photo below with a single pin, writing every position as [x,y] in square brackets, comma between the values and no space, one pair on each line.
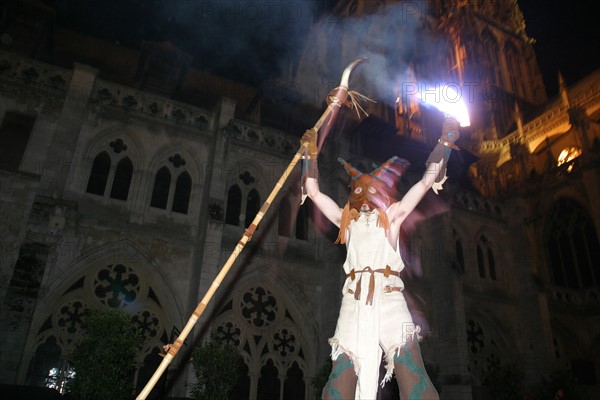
[372,191]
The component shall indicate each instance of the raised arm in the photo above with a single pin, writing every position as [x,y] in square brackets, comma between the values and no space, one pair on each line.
[311,180]
[435,174]
[399,210]
[324,203]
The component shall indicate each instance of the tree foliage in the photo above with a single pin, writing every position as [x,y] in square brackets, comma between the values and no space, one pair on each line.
[104,360]
[217,368]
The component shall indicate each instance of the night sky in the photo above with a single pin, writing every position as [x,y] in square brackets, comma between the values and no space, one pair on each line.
[567,38]
[254,40]
[249,41]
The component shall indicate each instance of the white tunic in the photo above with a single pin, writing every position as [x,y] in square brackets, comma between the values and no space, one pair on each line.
[364,331]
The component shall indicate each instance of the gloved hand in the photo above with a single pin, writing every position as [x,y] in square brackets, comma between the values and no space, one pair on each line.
[442,150]
[309,140]
[445,144]
[450,133]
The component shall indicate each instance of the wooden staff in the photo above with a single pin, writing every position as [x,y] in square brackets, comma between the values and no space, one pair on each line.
[335,103]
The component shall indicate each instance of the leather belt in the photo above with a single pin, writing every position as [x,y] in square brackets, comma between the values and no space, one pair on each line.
[387,271]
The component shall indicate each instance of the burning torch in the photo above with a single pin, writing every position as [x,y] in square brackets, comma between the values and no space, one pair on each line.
[448,101]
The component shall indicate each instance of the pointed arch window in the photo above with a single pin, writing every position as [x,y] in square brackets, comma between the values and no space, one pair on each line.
[491,264]
[160,190]
[252,206]
[460,257]
[268,383]
[302,222]
[285,216]
[112,172]
[486,261]
[459,252]
[293,217]
[99,174]
[57,336]
[241,390]
[517,79]
[15,131]
[183,190]
[122,179]
[480,262]
[172,189]
[243,200]
[491,49]
[234,205]
[572,247]
[293,388]
[47,358]
[149,365]
[273,349]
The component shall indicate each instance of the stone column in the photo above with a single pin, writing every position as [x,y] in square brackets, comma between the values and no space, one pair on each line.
[535,346]
[59,158]
[208,255]
[451,352]
[254,376]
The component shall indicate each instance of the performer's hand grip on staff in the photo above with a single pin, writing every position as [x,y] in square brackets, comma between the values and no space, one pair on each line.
[309,140]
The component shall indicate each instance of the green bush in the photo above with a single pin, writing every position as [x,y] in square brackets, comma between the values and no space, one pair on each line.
[104,360]
[217,368]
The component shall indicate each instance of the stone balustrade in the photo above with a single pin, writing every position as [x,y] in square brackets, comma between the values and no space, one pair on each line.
[38,75]
[148,104]
[266,138]
[580,297]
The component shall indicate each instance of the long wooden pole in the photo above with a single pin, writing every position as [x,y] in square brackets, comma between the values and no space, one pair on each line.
[338,99]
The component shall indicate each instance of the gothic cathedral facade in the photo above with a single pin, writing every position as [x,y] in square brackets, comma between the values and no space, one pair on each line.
[128,177]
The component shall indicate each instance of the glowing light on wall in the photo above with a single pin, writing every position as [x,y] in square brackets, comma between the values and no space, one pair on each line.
[568,154]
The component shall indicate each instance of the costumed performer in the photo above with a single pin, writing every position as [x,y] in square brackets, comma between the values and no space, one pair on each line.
[374,319]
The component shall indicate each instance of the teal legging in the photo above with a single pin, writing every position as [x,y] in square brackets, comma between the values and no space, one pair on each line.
[412,378]
[342,380]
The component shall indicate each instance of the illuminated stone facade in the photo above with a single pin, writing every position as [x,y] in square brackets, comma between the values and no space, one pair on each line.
[122,190]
